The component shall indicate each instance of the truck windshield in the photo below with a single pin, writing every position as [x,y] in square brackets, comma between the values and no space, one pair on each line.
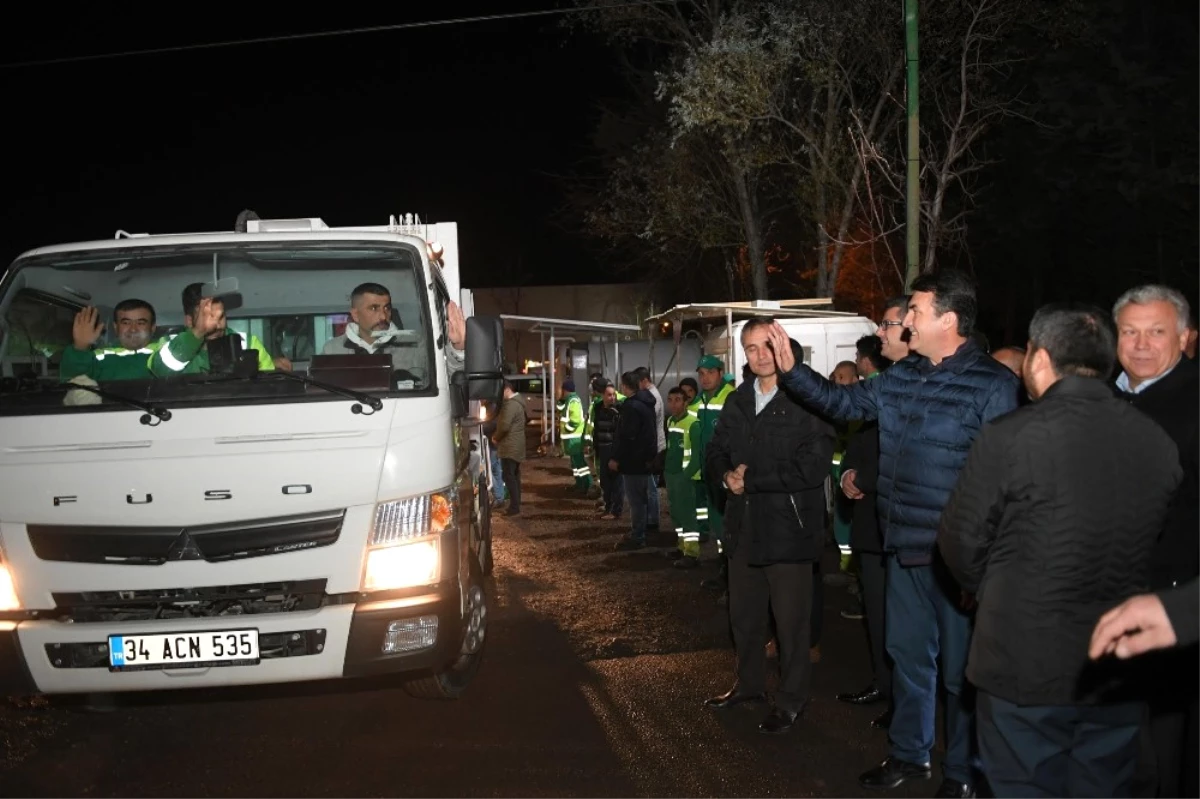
[125,319]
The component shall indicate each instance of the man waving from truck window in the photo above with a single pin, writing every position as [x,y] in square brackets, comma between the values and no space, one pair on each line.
[372,331]
[134,322]
[187,352]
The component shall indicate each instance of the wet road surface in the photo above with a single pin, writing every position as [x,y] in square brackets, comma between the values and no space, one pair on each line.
[596,666]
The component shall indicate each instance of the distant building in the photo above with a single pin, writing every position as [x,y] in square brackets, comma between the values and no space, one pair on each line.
[621,303]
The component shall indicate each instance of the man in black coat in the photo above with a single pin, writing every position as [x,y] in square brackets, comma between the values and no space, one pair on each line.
[860,478]
[1051,524]
[769,457]
[1156,378]
[633,456]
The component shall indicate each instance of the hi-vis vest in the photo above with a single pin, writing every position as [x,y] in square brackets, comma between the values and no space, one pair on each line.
[570,420]
[707,411]
[680,454]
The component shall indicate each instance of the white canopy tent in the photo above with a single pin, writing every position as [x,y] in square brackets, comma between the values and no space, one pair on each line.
[560,330]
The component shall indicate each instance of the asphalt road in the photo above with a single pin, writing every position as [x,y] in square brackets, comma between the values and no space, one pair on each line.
[596,666]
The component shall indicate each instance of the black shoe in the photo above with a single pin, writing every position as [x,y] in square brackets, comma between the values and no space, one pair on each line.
[511,512]
[892,772]
[712,584]
[628,544]
[686,562]
[733,698]
[954,788]
[867,696]
[883,720]
[673,554]
[778,722]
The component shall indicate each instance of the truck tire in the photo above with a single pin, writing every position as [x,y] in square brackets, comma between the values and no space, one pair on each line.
[452,681]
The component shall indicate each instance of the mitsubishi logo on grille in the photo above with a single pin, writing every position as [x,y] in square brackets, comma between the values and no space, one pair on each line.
[184,548]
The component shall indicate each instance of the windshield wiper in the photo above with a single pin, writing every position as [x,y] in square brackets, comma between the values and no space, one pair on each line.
[152,411]
[375,403]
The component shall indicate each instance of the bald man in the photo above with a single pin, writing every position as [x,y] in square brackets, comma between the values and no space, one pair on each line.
[1012,357]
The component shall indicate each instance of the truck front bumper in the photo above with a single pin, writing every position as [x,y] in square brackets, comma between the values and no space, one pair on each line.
[335,641]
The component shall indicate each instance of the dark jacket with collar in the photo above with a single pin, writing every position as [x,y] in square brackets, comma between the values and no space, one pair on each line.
[780,517]
[636,444]
[1173,402]
[928,416]
[1052,524]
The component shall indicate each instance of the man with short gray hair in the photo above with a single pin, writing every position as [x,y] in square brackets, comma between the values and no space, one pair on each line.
[1054,517]
[1159,381]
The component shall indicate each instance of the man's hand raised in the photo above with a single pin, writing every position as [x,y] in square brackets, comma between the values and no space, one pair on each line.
[207,320]
[457,325]
[782,345]
[87,328]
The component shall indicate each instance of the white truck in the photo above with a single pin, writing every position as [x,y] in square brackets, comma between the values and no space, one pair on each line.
[245,526]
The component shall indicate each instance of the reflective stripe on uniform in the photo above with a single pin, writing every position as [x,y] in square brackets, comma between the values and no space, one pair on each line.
[168,357]
[122,352]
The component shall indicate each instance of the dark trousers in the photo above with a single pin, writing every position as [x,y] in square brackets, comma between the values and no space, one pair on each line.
[637,494]
[612,486]
[784,589]
[1058,750]
[511,469]
[928,634]
[816,616]
[874,591]
[1170,757]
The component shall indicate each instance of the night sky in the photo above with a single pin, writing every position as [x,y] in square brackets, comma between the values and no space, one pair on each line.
[466,123]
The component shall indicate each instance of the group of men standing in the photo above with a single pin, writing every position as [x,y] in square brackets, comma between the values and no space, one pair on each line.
[1006,531]
[635,436]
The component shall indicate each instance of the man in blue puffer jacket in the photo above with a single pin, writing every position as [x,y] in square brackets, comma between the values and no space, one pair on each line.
[929,406]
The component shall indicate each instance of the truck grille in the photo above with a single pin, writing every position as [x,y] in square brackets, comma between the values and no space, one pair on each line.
[189,603]
[153,546]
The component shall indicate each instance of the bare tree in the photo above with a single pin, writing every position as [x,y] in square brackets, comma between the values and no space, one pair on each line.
[673,179]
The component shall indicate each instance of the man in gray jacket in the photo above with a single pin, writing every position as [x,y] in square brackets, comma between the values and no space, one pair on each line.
[372,332]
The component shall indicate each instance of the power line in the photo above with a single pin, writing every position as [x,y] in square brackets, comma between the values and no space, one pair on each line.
[324,34]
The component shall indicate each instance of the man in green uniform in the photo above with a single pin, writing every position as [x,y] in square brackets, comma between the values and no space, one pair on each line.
[570,430]
[187,352]
[709,402]
[134,322]
[679,469]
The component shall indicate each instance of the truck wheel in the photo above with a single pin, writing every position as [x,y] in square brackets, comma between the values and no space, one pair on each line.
[451,682]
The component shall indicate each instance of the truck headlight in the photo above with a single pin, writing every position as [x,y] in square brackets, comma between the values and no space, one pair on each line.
[402,566]
[404,549]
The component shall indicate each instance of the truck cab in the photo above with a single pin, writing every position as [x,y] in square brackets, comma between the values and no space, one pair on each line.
[244,523]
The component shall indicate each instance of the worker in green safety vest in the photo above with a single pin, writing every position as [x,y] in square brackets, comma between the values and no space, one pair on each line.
[133,322]
[187,352]
[714,390]
[679,469]
[570,430]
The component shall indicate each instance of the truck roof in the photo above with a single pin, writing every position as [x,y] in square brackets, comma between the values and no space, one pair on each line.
[257,230]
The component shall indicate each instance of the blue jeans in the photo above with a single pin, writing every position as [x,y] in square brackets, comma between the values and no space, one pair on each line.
[497,474]
[637,492]
[925,624]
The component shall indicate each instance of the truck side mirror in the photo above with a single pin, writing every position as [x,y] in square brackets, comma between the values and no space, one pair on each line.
[485,358]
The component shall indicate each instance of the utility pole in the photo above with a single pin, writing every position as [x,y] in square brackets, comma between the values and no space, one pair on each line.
[912,224]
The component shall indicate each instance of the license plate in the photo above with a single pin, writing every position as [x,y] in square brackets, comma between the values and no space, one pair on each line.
[183,650]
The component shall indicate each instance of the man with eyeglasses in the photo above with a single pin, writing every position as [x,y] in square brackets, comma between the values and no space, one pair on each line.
[134,322]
